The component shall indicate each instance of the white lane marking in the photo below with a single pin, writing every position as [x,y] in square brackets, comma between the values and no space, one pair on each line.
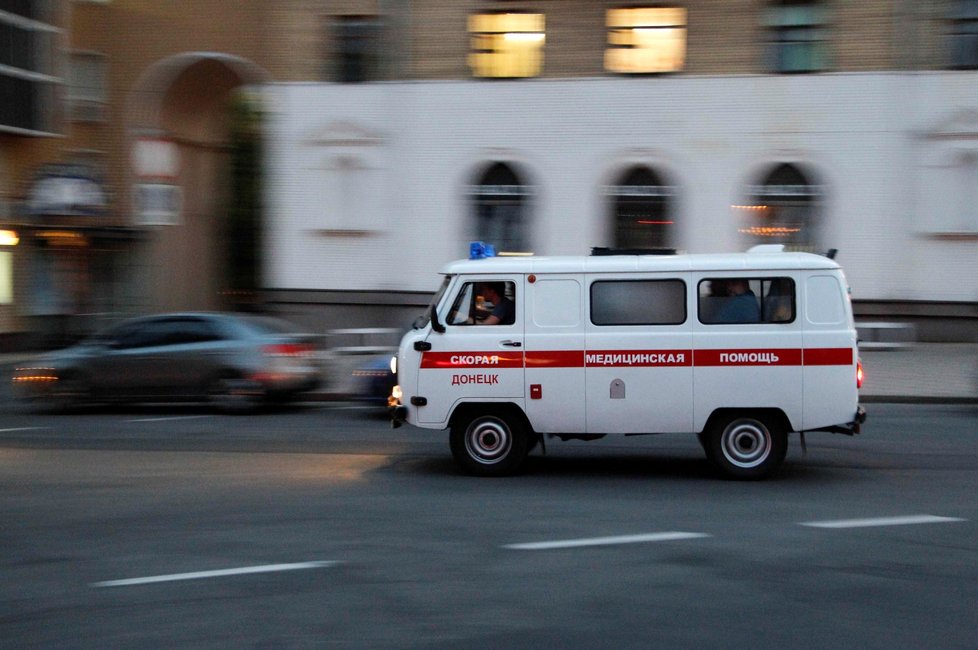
[881,521]
[21,429]
[171,418]
[267,568]
[605,541]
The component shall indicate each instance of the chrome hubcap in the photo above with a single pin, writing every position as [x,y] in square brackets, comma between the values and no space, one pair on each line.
[746,443]
[488,441]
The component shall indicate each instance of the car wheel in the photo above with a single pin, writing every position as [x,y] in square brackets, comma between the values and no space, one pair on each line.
[232,394]
[489,444]
[747,448]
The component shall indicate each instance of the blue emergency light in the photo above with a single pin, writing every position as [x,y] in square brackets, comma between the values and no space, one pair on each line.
[480,250]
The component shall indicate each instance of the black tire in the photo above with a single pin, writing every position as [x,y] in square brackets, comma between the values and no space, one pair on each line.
[232,395]
[747,447]
[489,444]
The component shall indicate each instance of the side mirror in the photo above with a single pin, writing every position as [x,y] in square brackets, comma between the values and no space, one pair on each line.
[435,323]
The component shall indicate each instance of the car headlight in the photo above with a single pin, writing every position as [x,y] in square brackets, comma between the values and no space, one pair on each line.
[394,364]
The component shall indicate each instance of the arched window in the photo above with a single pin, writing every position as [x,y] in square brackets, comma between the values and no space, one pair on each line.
[642,210]
[783,209]
[500,209]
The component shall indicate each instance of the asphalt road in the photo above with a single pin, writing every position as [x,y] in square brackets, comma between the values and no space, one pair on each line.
[319,526]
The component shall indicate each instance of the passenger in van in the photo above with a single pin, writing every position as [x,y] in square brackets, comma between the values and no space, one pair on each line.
[777,303]
[503,311]
[740,304]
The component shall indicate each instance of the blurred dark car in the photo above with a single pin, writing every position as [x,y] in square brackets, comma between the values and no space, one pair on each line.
[374,379]
[233,361]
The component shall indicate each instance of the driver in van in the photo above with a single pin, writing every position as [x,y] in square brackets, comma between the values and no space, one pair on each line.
[503,311]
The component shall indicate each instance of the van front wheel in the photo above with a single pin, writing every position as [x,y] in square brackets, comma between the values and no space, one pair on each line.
[489,444]
[746,447]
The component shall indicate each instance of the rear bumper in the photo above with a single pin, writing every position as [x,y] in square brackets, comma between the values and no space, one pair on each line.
[849,428]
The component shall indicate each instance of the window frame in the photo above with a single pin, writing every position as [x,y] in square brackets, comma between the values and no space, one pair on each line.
[466,293]
[628,39]
[364,62]
[962,19]
[785,36]
[761,288]
[516,62]
[592,312]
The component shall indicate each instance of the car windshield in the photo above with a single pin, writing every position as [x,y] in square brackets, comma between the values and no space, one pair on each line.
[423,319]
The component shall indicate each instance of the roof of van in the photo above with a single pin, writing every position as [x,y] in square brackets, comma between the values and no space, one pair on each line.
[751,261]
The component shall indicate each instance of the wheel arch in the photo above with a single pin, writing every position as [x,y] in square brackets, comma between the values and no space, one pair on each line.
[465,410]
[775,416]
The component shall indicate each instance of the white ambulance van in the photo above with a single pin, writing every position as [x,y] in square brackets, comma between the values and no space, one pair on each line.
[740,349]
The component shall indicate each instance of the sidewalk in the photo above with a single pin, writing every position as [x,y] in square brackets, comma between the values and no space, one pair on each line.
[920,373]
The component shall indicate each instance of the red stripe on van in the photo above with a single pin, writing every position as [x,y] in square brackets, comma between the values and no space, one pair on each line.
[555,359]
[748,357]
[828,357]
[495,359]
[638,358]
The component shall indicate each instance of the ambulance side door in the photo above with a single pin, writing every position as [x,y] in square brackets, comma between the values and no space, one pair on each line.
[555,353]
[638,360]
[747,359]
[471,361]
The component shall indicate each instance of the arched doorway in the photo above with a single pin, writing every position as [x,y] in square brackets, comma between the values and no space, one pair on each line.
[192,101]
[500,201]
[784,208]
[642,210]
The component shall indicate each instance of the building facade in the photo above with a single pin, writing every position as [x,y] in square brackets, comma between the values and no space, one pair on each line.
[552,127]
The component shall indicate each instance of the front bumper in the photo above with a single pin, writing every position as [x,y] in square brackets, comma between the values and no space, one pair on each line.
[398,415]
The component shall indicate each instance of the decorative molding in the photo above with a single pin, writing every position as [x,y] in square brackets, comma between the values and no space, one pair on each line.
[345,134]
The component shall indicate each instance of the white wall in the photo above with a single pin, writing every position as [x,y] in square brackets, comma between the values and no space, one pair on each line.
[872,139]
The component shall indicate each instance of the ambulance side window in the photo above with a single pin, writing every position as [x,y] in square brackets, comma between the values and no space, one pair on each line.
[825,303]
[638,302]
[732,300]
[484,303]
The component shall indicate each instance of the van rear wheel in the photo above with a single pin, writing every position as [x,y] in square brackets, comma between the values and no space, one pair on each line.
[747,447]
[489,444]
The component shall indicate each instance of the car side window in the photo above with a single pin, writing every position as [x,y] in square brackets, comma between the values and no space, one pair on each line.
[191,330]
[142,335]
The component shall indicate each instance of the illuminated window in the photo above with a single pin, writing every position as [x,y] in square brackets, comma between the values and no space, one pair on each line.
[796,36]
[644,40]
[963,34]
[6,277]
[506,45]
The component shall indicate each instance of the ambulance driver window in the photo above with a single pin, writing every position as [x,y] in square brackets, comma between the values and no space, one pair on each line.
[638,302]
[484,303]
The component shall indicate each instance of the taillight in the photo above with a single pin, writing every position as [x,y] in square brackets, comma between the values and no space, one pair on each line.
[859,373]
[288,350]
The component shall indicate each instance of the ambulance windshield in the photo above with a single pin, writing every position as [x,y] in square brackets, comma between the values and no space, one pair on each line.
[422,320]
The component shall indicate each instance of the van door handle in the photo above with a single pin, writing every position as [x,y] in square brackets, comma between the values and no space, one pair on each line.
[512,344]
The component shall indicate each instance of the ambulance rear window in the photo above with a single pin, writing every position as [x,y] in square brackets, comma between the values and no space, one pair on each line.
[638,302]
